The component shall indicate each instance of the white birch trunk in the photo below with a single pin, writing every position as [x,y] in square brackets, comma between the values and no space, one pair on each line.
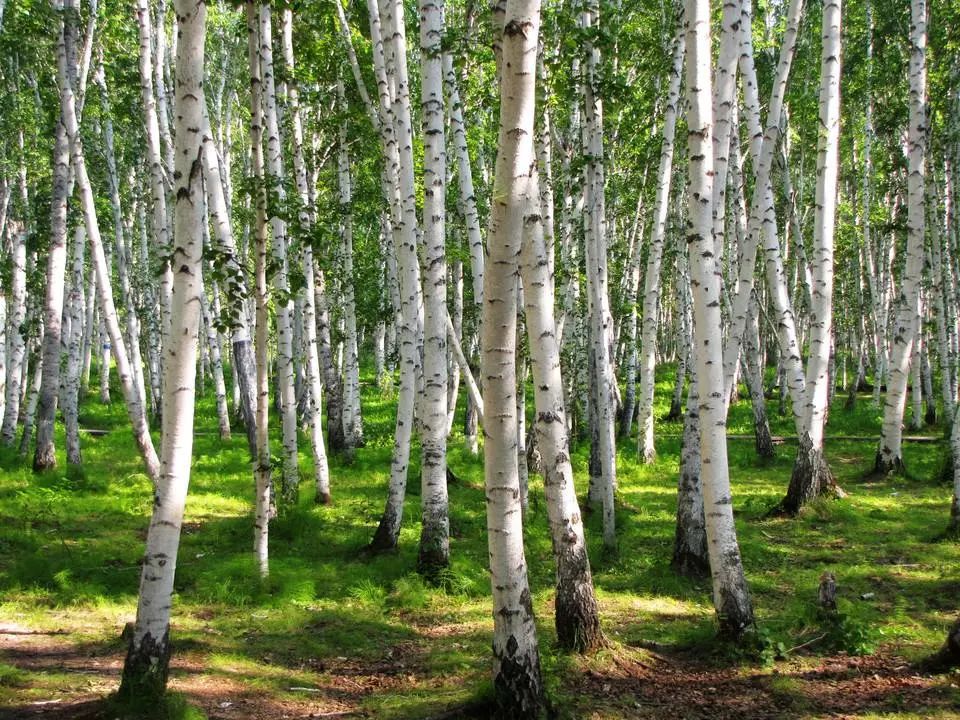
[147,663]
[227,258]
[393,86]
[434,554]
[262,469]
[290,477]
[70,392]
[811,475]
[890,455]
[352,417]
[517,682]
[158,166]
[601,320]
[45,455]
[468,200]
[321,469]
[730,595]
[16,342]
[651,282]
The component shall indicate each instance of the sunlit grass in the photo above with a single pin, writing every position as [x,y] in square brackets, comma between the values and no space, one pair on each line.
[70,544]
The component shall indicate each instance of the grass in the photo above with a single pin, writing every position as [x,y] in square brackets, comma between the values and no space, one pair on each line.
[335,627]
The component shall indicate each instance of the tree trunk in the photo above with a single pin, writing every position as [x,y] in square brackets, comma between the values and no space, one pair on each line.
[889,456]
[147,663]
[731,598]
[290,477]
[16,342]
[45,456]
[434,555]
[811,475]
[517,682]
[651,283]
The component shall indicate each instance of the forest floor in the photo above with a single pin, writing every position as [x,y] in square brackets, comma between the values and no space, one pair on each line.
[334,633]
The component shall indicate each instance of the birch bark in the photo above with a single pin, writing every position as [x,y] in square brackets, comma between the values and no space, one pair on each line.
[517,682]
[890,453]
[731,597]
[147,663]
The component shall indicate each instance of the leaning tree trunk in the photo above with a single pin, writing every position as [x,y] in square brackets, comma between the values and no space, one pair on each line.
[434,555]
[398,143]
[226,257]
[577,619]
[889,456]
[148,657]
[111,322]
[730,595]
[811,475]
[517,682]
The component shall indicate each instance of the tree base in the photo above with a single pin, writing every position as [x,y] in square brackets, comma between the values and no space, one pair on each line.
[763,442]
[323,498]
[44,459]
[577,617]
[386,537]
[735,615]
[887,465]
[518,686]
[690,563]
[811,479]
[949,655]
[145,671]
[433,559]
[676,411]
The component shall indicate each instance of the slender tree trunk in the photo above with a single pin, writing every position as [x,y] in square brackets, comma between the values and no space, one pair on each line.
[434,553]
[352,417]
[731,597]
[290,477]
[811,474]
[226,256]
[147,664]
[395,107]
[321,469]
[889,456]
[651,281]
[16,342]
[45,454]
[158,164]
[70,392]
[517,682]
[577,618]
[601,320]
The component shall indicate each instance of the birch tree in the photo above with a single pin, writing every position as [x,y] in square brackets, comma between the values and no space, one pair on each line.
[146,666]
[651,281]
[890,453]
[45,454]
[730,596]
[517,682]
[811,475]
[435,534]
